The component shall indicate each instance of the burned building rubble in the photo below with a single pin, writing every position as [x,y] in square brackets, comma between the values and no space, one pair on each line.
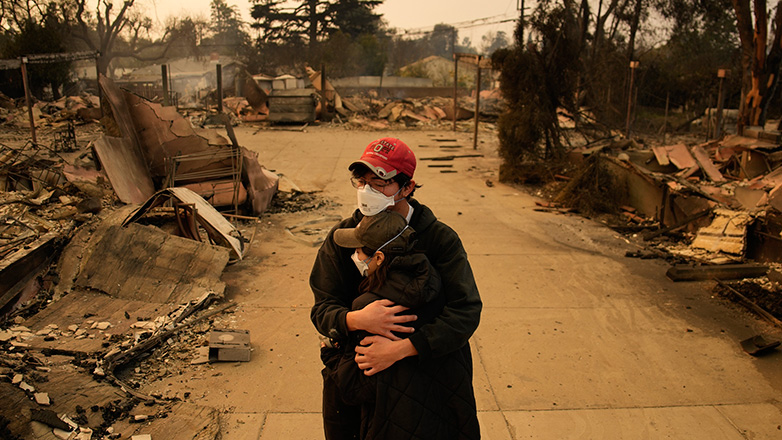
[111,246]
[712,209]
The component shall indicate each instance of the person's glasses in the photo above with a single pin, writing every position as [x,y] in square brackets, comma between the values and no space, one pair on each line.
[379,185]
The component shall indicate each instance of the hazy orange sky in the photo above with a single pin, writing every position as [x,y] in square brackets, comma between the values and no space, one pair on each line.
[401,14]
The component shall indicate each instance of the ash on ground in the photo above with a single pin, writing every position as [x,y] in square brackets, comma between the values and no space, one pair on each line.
[298,201]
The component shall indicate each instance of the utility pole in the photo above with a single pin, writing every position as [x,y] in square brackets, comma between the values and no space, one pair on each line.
[455,90]
[455,77]
[219,88]
[633,66]
[520,7]
[721,74]
[477,102]
[27,99]
[164,73]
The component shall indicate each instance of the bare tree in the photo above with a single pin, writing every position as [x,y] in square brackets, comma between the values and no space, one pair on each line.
[14,13]
[760,59]
[113,29]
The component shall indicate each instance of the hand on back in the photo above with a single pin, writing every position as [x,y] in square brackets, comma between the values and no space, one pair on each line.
[380,318]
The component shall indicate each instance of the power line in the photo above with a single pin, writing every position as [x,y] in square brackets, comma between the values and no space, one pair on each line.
[461,25]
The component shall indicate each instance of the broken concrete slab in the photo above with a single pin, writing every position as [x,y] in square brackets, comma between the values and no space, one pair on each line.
[67,387]
[183,421]
[69,313]
[144,263]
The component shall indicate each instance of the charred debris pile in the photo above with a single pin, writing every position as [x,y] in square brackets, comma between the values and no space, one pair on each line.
[712,209]
[112,244]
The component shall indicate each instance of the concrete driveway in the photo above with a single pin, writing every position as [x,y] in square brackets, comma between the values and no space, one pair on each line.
[576,341]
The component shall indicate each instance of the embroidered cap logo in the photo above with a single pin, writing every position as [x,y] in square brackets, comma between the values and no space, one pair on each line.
[383,148]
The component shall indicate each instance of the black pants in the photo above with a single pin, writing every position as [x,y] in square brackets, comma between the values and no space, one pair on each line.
[340,421]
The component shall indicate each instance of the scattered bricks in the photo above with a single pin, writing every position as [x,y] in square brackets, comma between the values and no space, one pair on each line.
[141,437]
[84,434]
[103,325]
[5,335]
[42,399]
[18,378]
[26,387]
[74,328]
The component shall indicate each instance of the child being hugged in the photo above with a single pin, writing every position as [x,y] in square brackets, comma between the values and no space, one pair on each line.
[384,256]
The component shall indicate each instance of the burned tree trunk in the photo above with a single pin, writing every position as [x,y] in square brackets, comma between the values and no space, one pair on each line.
[760,63]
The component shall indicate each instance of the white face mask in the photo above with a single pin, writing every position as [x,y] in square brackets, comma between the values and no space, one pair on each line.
[372,201]
[361,265]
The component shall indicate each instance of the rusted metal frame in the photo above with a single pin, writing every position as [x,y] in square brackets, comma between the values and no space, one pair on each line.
[234,155]
[188,222]
[185,218]
[239,163]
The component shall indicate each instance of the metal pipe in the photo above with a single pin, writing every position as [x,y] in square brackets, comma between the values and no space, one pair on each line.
[219,88]
[27,99]
[455,85]
[477,104]
[164,73]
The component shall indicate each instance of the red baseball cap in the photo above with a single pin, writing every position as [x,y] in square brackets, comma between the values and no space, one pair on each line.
[387,157]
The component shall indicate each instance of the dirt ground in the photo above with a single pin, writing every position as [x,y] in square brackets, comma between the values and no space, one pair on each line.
[576,340]
[573,333]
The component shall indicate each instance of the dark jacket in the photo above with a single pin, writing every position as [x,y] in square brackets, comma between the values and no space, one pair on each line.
[443,367]
[411,282]
[334,282]
[428,399]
